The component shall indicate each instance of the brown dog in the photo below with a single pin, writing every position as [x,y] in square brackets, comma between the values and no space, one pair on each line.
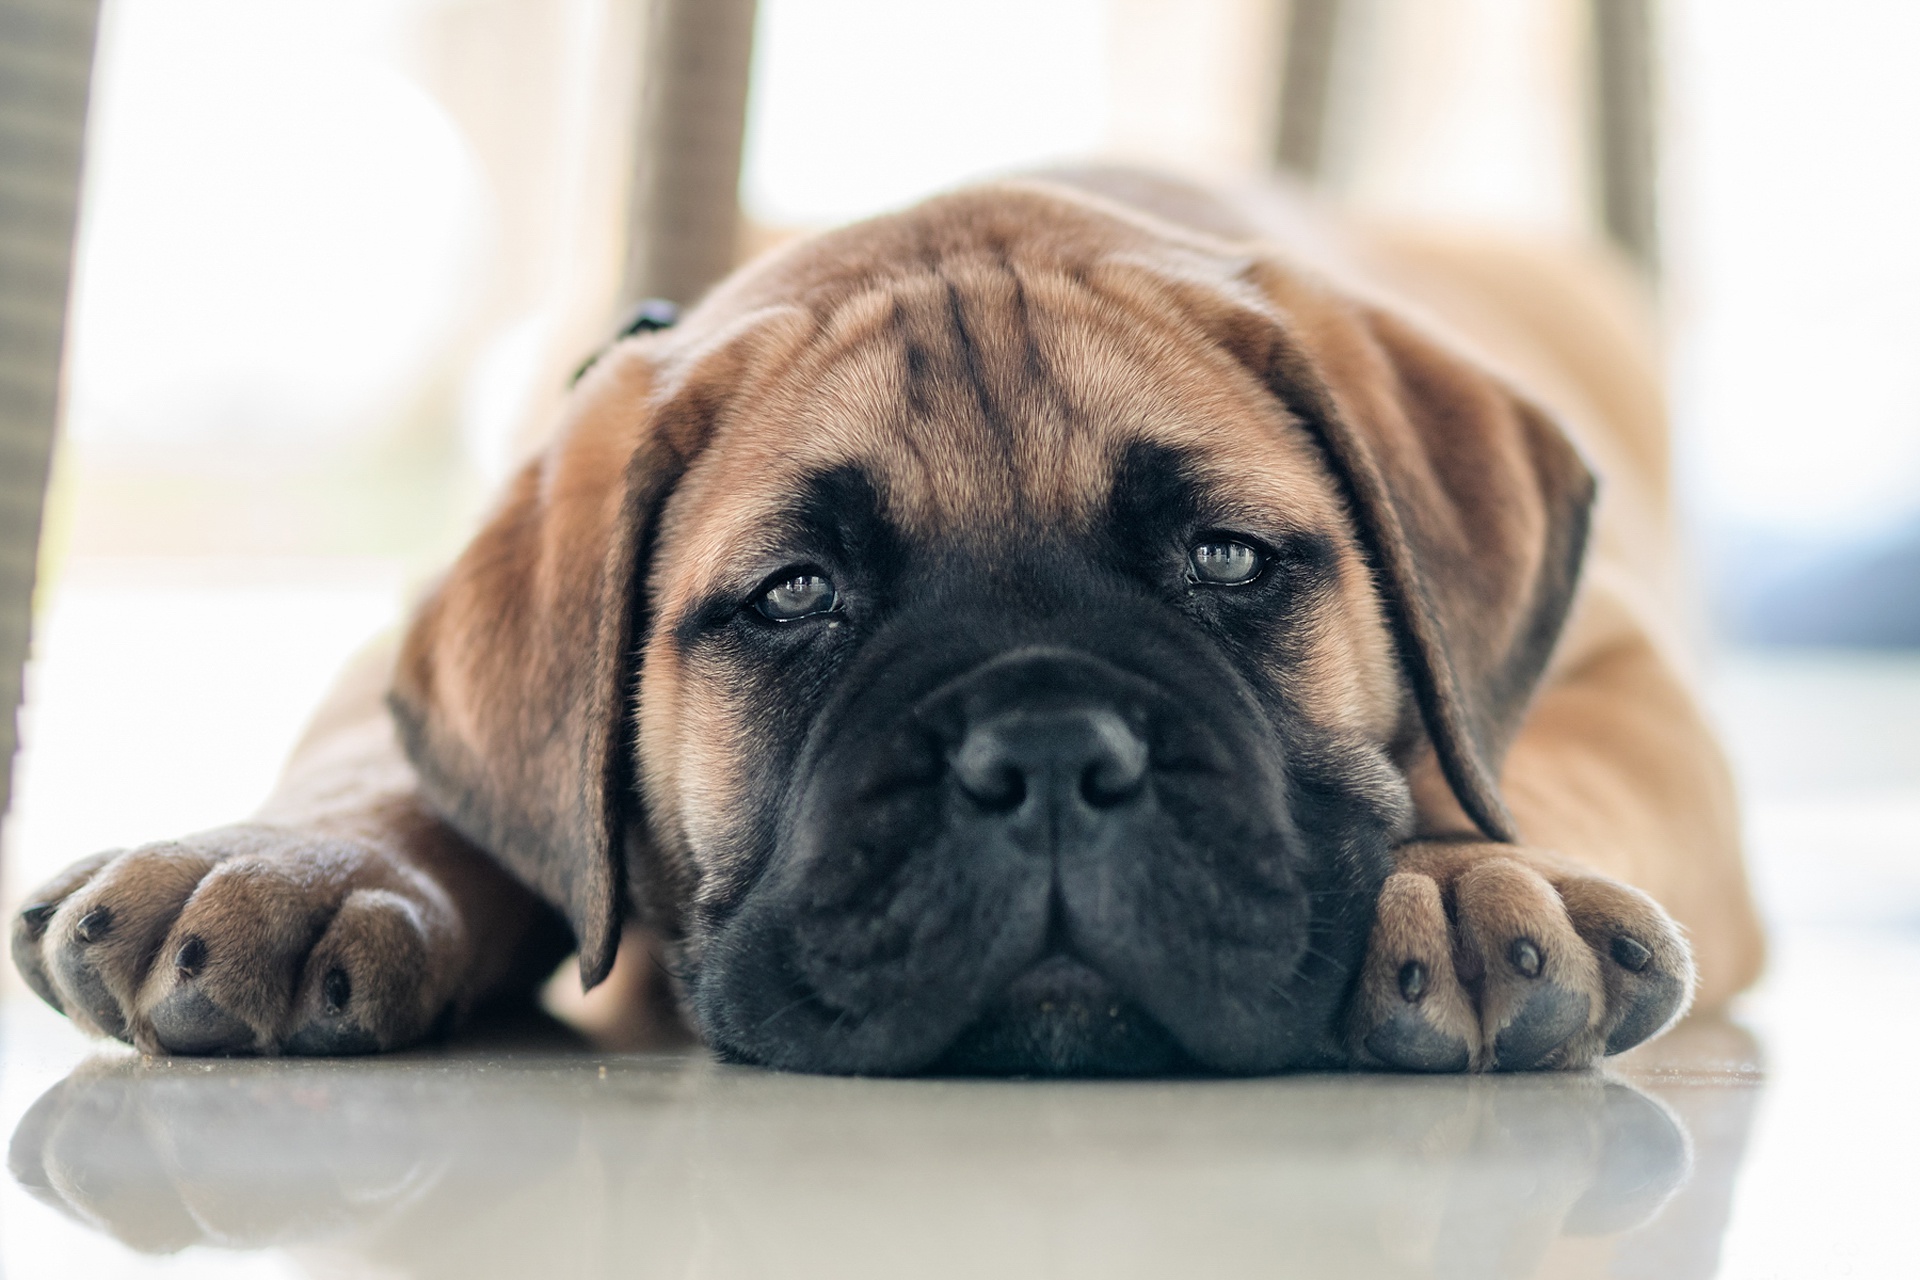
[1079,624]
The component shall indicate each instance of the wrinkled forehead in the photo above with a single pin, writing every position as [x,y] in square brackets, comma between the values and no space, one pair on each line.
[981,397]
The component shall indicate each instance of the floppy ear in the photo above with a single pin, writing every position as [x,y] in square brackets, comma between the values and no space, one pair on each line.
[515,680]
[1471,503]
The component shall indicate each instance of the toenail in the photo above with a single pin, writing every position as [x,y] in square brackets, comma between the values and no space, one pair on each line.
[1413,981]
[1630,954]
[36,916]
[1525,957]
[191,957]
[94,925]
[336,988]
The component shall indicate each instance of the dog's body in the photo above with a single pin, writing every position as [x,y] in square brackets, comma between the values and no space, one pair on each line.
[1049,629]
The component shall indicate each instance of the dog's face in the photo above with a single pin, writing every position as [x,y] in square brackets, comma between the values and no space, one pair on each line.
[1006,680]
[1016,695]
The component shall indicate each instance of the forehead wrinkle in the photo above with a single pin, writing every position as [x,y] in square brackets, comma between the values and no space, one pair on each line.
[1219,410]
[1019,452]
[1074,372]
[1131,378]
[968,329]
[948,349]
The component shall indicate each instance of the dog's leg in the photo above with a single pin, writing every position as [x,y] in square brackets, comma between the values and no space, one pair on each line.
[1487,956]
[1493,957]
[345,918]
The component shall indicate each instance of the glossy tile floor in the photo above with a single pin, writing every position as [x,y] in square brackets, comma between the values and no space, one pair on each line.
[535,1158]
[1781,1145]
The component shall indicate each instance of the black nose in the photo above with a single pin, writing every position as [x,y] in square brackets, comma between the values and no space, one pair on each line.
[1073,755]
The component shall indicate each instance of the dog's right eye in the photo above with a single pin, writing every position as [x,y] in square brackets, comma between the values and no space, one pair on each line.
[1224,562]
[796,593]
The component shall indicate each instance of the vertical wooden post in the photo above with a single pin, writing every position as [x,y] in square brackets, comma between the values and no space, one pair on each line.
[684,217]
[1306,86]
[1625,97]
[46,65]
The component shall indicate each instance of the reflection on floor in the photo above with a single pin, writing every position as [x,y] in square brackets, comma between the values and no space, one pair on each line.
[1776,1147]
[529,1155]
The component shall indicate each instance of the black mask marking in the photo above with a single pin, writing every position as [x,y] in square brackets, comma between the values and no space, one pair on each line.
[1034,802]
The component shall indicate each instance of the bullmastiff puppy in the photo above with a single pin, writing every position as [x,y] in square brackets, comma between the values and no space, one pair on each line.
[1081,624]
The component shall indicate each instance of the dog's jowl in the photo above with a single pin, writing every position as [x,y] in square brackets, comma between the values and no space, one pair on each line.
[1066,627]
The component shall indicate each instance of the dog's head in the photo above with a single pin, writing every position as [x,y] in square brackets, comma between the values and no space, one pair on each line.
[995,637]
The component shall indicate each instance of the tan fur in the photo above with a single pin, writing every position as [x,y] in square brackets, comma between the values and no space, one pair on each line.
[1403,397]
[1616,765]
[1091,373]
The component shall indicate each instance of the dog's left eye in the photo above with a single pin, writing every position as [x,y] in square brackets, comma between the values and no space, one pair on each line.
[796,594]
[1224,562]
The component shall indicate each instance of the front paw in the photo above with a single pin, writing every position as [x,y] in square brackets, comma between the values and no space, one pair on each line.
[1488,957]
[249,939]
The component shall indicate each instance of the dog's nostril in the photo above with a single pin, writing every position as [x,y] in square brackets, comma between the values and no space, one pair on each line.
[1112,781]
[989,774]
[1001,789]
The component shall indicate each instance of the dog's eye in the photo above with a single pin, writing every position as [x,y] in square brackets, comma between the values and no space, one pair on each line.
[1224,562]
[796,594]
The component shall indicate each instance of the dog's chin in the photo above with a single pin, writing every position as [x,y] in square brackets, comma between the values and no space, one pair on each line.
[1060,1018]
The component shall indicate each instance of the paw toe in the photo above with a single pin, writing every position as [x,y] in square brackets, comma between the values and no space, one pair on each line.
[1649,1002]
[29,927]
[98,946]
[334,1028]
[1645,965]
[330,1037]
[1547,1018]
[188,1021]
[84,988]
[1410,1012]
[1538,979]
[33,921]
[366,982]
[1408,1041]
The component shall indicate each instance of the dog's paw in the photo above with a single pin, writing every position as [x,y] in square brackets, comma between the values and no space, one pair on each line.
[1487,957]
[248,939]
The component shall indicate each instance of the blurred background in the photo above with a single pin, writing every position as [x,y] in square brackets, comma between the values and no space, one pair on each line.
[332,252]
